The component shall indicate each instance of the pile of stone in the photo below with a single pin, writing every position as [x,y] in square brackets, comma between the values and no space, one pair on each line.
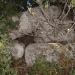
[48,33]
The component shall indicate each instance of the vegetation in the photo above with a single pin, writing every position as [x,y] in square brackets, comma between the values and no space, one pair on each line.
[43,67]
[6,24]
[5,57]
[73,3]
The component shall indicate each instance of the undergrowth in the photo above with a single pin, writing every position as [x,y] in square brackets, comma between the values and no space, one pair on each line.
[43,67]
[5,57]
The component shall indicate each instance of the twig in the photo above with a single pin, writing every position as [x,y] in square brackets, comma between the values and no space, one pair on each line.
[20,67]
[45,16]
[63,10]
[66,13]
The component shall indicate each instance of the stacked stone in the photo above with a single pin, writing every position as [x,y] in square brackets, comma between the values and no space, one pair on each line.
[48,31]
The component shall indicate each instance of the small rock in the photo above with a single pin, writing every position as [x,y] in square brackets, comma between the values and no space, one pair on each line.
[51,51]
[15,18]
[15,34]
[54,12]
[17,50]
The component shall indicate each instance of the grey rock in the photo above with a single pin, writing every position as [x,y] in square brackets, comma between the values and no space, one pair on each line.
[54,12]
[17,50]
[51,51]
[15,34]
[15,18]
[24,27]
[61,31]
[45,31]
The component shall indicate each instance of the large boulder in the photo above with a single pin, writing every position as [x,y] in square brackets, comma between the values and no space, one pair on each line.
[24,27]
[51,51]
[29,23]
[17,50]
[45,26]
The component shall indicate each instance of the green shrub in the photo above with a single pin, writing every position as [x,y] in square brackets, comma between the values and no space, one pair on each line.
[73,3]
[43,67]
[6,25]
[5,58]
